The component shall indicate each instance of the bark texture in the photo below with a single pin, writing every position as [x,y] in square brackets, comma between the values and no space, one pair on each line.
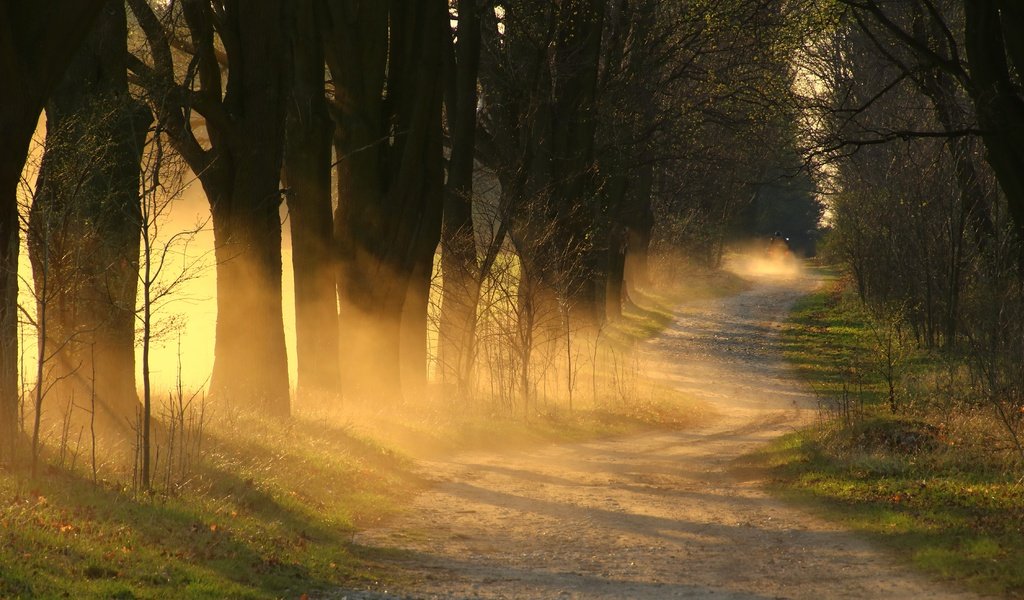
[574,83]
[638,217]
[992,43]
[459,262]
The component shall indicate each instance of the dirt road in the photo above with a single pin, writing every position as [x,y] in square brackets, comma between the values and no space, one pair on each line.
[653,516]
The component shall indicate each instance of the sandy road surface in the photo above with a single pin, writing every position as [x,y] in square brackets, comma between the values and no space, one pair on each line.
[653,516]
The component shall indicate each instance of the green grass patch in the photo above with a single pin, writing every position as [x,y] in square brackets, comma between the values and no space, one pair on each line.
[947,505]
[938,509]
[828,341]
[269,514]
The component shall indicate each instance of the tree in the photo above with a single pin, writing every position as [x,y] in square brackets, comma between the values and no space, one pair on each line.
[83,222]
[537,75]
[386,60]
[577,54]
[37,41]
[307,172]
[459,261]
[918,111]
[627,83]
[238,164]
[995,56]
[165,264]
[897,100]
[967,43]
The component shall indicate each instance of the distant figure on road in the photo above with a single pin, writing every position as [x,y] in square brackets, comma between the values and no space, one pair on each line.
[778,246]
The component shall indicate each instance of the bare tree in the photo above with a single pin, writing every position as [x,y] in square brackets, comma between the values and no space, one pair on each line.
[166,263]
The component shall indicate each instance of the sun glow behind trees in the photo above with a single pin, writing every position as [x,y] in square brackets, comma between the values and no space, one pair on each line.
[191,317]
[608,129]
[186,324]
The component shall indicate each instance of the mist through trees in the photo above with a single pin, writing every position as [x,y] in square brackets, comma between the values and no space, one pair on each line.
[472,193]
[247,245]
[260,257]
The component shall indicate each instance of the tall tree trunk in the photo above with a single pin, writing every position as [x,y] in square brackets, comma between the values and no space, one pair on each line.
[240,171]
[307,166]
[33,56]
[85,223]
[250,360]
[639,221]
[459,268]
[615,292]
[1000,109]
[414,322]
[386,60]
[576,59]
[12,159]
[614,250]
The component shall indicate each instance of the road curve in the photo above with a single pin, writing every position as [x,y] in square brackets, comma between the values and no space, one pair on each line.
[652,516]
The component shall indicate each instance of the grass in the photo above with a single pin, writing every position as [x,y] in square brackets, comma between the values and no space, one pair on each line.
[267,515]
[934,492]
[825,334]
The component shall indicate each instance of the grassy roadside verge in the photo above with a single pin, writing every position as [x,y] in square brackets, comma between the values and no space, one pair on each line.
[266,514]
[269,513]
[270,510]
[926,483]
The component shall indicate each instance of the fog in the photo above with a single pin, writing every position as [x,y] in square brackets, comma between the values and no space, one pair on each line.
[753,258]
[566,368]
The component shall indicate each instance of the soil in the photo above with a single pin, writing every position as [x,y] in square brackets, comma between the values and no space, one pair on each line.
[660,515]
